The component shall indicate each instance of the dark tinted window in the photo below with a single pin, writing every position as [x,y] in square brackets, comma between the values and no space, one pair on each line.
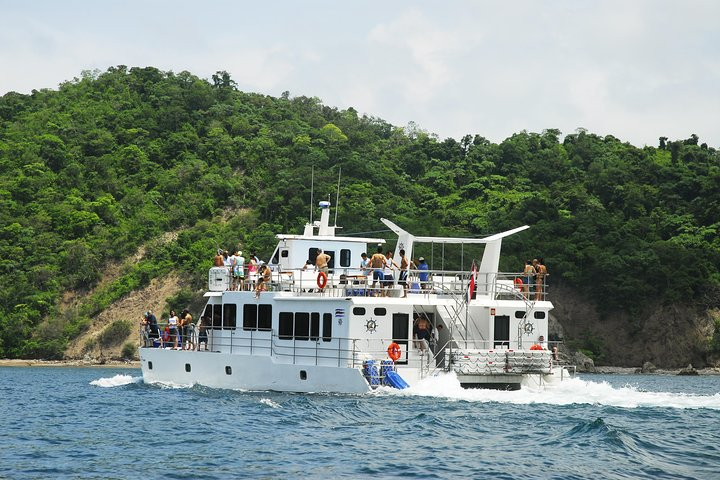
[519,313]
[345,259]
[358,311]
[229,316]
[314,326]
[302,326]
[265,317]
[327,327]
[379,311]
[539,314]
[285,325]
[249,317]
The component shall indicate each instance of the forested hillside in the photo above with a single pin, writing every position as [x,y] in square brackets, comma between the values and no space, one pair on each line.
[111,162]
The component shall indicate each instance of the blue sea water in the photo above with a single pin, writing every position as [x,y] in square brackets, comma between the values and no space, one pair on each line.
[58,422]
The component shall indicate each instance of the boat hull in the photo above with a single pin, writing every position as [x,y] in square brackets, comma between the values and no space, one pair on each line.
[246,372]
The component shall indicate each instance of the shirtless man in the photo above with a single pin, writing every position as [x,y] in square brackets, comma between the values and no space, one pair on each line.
[404,265]
[321,261]
[377,263]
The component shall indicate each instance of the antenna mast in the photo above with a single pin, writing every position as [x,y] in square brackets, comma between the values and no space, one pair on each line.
[337,197]
[312,191]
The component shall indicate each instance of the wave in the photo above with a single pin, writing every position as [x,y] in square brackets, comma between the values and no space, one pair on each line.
[567,392]
[116,381]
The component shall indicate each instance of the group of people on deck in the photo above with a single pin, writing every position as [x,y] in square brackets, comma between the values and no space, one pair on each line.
[255,275]
[535,274]
[382,265]
[180,332]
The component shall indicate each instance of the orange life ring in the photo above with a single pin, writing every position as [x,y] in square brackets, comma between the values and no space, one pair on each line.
[536,347]
[322,280]
[394,351]
[518,283]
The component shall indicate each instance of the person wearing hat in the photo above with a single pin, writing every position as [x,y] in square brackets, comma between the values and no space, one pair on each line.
[424,274]
[238,267]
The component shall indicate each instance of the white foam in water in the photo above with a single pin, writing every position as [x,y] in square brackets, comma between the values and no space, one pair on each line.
[269,403]
[116,381]
[567,392]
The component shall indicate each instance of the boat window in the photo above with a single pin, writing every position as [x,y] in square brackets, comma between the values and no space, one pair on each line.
[285,326]
[519,313]
[229,316]
[228,370]
[303,374]
[327,327]
[358,311]
[265,317]
[312,256]
[539,315]
[302,326]
[274,259]
[249,317]
[187,367]
[345,258]
[284,253]
[380,311]
[314,326]
[217,317]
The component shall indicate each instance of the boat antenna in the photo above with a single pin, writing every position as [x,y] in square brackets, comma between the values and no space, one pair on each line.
[337,197]
[312,191]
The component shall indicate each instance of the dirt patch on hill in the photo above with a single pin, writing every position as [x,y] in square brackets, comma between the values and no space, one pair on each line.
[130,308]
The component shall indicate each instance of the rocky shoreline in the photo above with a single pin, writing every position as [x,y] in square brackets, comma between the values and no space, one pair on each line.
[13,362]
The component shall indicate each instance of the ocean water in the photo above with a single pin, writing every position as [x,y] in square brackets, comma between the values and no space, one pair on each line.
[105,423]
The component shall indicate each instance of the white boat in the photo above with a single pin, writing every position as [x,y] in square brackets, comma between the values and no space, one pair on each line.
[298,337]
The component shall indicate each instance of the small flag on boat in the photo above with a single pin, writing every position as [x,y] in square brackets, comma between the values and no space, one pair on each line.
[471,288]
[339,312]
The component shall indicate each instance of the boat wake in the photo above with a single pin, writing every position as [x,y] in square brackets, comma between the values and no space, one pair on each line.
[569,392]
[117,381]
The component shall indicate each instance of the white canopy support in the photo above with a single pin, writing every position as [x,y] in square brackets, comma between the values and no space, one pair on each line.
[491,257]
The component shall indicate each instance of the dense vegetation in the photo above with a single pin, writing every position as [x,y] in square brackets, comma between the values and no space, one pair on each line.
[113,161]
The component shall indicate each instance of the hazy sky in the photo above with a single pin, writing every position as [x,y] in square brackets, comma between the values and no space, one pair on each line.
[635,69]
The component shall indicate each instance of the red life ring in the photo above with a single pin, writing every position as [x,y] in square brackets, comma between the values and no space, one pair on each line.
[322,280]
[394,351]
[536,347]
[518,283]
[166,334]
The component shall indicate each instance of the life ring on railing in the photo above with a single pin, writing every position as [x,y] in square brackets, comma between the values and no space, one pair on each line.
[322,280]
[536,347]
[166,334]
[518,283]
[394,351]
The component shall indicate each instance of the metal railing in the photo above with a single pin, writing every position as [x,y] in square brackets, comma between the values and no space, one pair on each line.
[358,283]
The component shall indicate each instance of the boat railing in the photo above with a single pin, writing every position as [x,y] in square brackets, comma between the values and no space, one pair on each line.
[338,351]
[347,282]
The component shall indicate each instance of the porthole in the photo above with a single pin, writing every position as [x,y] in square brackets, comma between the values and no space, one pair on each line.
[303,375]
[380,311]
[228,370]
[358,311]
[539,315]
[149,365]
[519,313]
[187,367]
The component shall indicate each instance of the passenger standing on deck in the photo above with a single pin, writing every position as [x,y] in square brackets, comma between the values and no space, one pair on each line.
[188,330]
[238,270]
[173,328]
[390,265]
[377,263]
[541,278]
[264,277]
[529,279]
[364,262]
[424,274]
[219,261]
[405,263]
[253,263]
[321,261]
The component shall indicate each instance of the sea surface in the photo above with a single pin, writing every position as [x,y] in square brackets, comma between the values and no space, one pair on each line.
[58,422]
